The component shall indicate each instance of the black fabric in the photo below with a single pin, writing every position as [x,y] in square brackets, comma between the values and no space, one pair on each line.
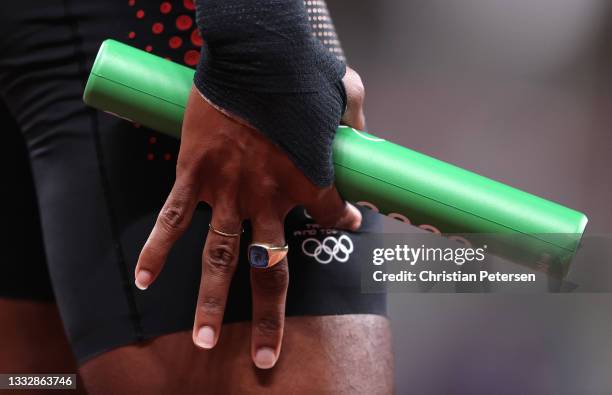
[263,63]
[23,268]
[100,182]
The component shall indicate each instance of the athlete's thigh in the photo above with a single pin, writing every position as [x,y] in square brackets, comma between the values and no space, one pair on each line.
[348,354]
[33,341]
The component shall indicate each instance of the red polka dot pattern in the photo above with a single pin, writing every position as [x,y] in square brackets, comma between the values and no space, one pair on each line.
[184,22]
[157,28]
[192,57]
[166,28]
[165,7]
[196,39]
[169,27]
[175,42]
[188,4]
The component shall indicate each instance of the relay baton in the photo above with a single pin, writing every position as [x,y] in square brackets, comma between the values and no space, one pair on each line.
[394,180]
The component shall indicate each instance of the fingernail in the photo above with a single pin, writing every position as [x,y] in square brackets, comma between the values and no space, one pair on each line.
[265,358]
[206,337]
[143,278]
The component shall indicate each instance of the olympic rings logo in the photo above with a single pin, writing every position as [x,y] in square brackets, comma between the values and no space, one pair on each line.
[329,249]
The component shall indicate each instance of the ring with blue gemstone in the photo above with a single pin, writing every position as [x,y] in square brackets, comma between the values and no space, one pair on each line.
[263,255]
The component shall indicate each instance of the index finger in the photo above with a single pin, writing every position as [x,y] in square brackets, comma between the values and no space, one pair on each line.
[171,223]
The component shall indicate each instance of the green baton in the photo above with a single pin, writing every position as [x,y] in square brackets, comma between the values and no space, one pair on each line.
[392,179]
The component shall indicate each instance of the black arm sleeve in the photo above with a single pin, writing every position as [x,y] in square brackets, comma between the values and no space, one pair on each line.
[263,62]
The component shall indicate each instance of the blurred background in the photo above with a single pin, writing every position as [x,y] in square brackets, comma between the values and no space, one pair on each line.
[519,91]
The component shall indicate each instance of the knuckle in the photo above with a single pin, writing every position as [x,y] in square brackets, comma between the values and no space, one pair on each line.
[274,281]
[229,171]
[220,259]
[269,325]
[355,89]
[211,305]
[262,185]
[358,95]
[172,217]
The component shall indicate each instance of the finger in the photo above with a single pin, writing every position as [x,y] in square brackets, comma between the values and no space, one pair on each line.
[219,260]
[330,211]
[171,223]
[355,97]
[269,288]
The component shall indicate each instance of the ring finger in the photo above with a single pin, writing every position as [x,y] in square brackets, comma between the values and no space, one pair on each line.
[269,287]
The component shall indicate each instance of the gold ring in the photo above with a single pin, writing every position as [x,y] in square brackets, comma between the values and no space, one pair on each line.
[221,233]
[264,255]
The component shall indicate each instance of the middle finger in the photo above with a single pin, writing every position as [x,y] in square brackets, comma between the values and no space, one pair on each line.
[219,260]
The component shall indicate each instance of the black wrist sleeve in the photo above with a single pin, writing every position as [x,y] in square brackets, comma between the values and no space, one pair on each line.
[262,62]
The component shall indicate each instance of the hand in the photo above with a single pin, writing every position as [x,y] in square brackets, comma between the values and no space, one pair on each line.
[220,163]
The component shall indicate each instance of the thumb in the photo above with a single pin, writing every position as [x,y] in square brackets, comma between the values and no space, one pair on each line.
[330,211]
[355,97]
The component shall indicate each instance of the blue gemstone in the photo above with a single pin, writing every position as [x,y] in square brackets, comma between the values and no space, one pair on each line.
[258,256]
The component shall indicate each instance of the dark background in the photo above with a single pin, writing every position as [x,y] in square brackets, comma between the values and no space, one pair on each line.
[519,91]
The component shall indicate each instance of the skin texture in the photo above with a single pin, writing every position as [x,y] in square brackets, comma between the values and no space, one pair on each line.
[348,354]
[33,341]
[239,185]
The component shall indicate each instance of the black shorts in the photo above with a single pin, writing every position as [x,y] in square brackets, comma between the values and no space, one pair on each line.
[99,183]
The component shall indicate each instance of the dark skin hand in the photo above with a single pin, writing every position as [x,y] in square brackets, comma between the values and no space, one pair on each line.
[220,163]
